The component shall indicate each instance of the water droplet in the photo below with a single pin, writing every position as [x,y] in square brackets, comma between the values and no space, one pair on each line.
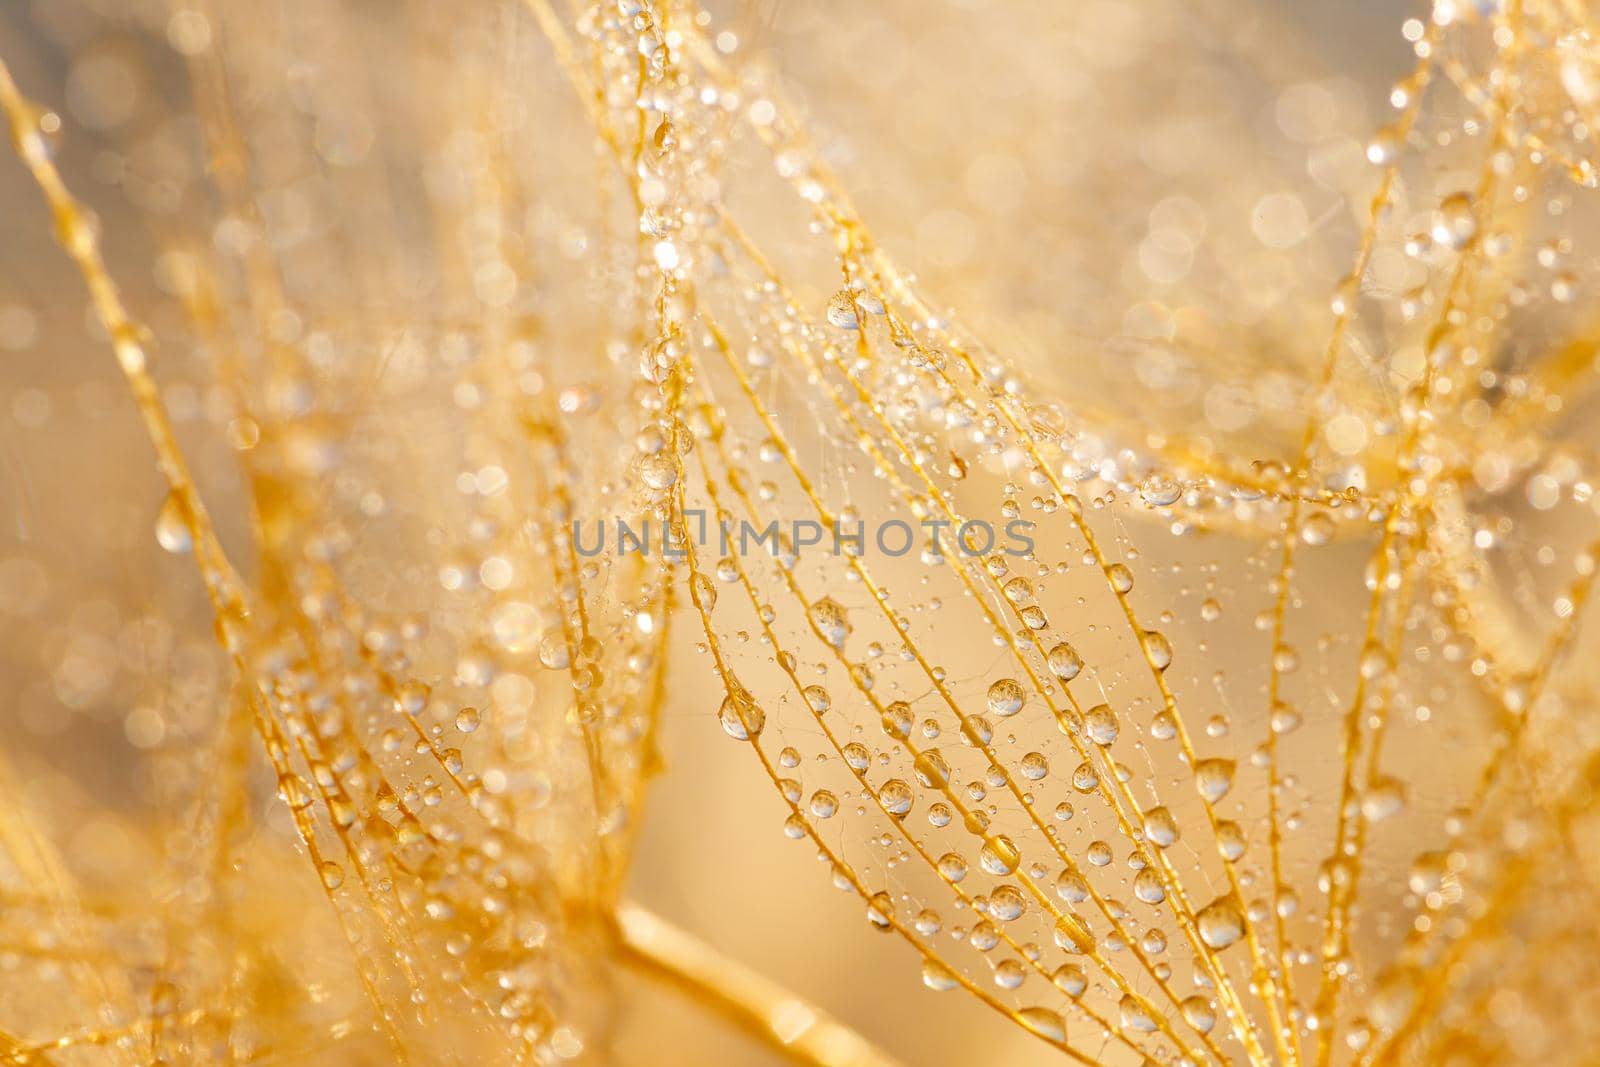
[1009,974]
[332,875]
[1160,491]
[937,976]
[1085,779]
[1284,719]
[1230,837]
[1136,1014]
[1385,799]
[841,312]
[1148,888]
[1455,224]
[1384,148]
[999,855]
[831,621]
[896,797]
[172,528]
[1071,887]
[1157,649]
[741,717]
[896,720]
[1007,903]
[931,769]
[659,472]
[1100,723]
[1160,828]
[1317,529]
[1064,662]
[1428,873]
[1198,1013]
[412,697]
[1214,777]
[1221,922]
[1044,1023]
[1005,697]
[1070,979]
[1120,576]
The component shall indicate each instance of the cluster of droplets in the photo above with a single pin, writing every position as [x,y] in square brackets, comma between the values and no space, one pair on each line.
[936,751]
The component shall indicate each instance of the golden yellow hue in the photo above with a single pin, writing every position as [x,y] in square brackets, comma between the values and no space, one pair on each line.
[1206,679]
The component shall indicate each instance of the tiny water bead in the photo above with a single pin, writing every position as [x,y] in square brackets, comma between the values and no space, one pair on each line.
[704,592]
[1064,662]
[1157,649]
[741,717]
[1159,491]
[1148,888]
[1044,1023]
[880,911]
[659,472]
[172,526]
[1455,223]
[1160,828]
[1101,724]
[931,769]
[1199,1013]
[896,720]
[1221,923]
[1384,148]
[1005,697]
[332,875]
[1317,529]
[841,311]
[896,797]
[831,621]
[1008,903]
[824,804]
[1136,1014]
[1010,974]
[938,977]
[554,651]
[999,855]
[1214,778]
[1384,799]
[1120,577]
